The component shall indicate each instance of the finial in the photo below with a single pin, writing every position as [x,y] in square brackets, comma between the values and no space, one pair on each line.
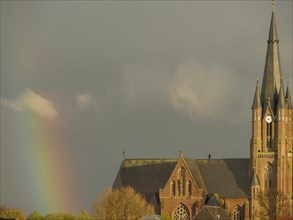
[181,153]
[273,5]
[209,156]
[257,80]
[287,82]
[123,153]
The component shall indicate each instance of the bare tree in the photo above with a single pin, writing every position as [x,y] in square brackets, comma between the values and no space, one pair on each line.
[122,203]
[272,204]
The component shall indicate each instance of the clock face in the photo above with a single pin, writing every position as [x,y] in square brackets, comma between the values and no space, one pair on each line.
[268,119]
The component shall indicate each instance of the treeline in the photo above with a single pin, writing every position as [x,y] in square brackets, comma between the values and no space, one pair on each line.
[112,204]
[10,213]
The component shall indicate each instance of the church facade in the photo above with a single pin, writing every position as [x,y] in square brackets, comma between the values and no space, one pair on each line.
[186,189]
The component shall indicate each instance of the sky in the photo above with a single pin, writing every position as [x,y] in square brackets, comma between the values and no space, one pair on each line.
[83,81]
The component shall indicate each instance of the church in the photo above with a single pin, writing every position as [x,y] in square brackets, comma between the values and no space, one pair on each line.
[185,188]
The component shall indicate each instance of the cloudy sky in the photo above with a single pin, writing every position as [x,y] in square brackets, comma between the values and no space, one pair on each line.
[81,81]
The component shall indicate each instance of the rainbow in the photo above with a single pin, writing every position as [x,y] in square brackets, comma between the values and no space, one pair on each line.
[48,163]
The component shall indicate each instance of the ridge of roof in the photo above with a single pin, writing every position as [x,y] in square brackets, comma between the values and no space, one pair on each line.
[136,162]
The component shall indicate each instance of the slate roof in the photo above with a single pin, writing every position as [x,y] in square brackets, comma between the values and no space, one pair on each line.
[194,169]
[146,176]
[227,177]
[211,213]
[214,200]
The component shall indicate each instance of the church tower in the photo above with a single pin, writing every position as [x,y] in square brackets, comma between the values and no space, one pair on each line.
[271,141]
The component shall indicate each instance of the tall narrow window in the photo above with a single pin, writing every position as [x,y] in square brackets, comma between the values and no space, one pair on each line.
[268,176]
[237,213]
[181,182]
[172,188]
[269,135]
[188,188]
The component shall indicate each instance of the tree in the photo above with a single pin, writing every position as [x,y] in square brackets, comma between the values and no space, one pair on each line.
[85,216]
[271,204]
[10,213]
[35,216]
[123,203]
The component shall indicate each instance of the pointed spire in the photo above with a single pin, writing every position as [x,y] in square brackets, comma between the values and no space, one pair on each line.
[272,73]
[273,36]
[281,101]
[256,101]
[288,96]
[254,180]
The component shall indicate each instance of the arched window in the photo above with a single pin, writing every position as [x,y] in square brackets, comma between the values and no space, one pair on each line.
[172,188]
[237,213]
[181,181]
[181,213]
[269,135]
[268,176]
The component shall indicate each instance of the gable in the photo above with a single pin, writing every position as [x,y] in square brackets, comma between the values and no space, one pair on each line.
[182,182]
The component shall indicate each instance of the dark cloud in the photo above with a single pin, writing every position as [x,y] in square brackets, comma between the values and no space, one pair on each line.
[151,78]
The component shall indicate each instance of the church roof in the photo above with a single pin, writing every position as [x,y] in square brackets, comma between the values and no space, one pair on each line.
[211,213]
[227,177]
[214,200]
[194,169]
[146,176]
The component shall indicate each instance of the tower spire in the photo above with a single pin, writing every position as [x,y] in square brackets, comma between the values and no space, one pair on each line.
[272,72]
[256,101]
